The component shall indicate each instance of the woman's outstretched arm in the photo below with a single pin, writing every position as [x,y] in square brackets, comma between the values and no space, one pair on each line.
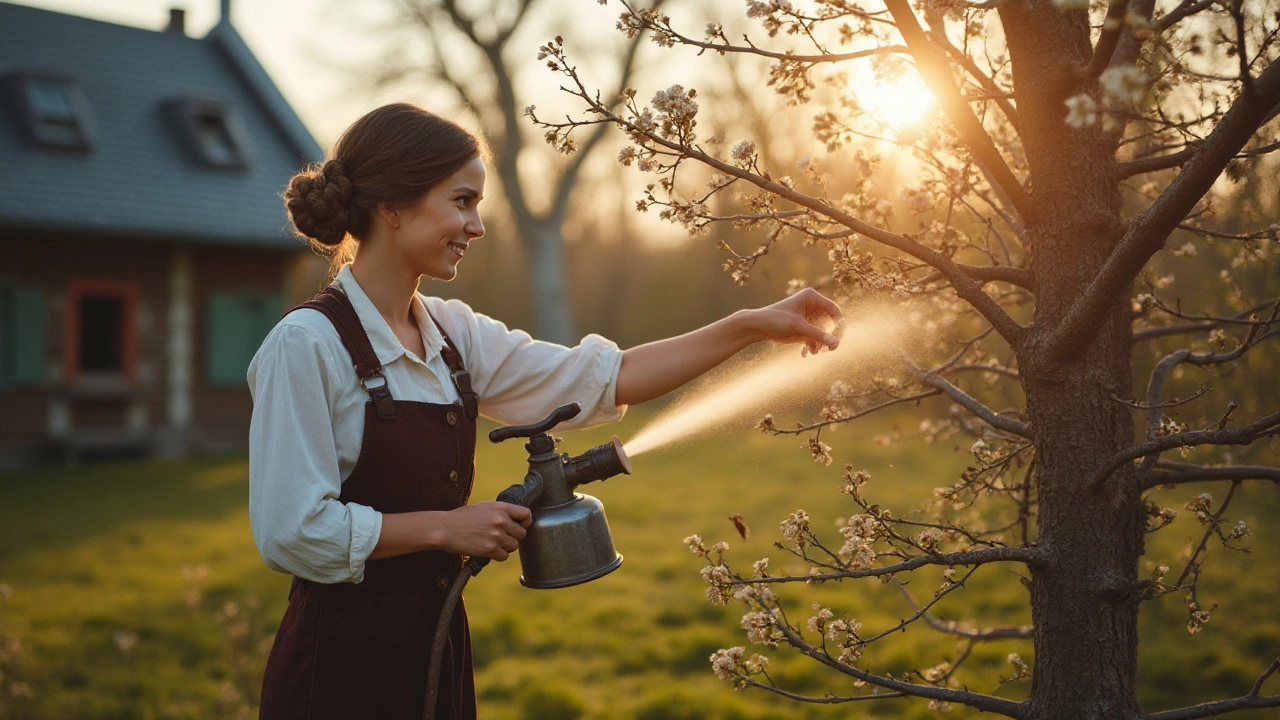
[655,369]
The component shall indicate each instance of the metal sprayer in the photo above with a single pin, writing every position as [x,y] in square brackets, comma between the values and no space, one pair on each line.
[568,542]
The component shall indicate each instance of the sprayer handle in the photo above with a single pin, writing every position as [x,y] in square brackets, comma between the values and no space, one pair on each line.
[557,416]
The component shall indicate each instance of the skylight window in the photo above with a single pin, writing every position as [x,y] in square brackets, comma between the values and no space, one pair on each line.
[211,132]
[55,111]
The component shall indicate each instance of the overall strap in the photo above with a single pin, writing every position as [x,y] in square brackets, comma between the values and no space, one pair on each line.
[337,307]
[461,377]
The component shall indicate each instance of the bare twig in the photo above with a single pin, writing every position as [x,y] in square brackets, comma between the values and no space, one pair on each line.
[987,703]
[971,403]
[860,413]
[824,700]
[1171,473]
[1262,427]
[1026,555]
[952,628]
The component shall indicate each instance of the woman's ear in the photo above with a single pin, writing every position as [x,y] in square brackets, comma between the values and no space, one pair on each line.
[390,215]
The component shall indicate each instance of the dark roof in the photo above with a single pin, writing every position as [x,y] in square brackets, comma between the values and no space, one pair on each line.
[139,179]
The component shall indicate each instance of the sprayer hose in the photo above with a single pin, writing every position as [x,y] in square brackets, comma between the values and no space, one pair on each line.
[442,637]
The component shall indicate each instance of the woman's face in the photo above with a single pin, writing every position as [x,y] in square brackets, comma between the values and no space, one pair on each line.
[435,231]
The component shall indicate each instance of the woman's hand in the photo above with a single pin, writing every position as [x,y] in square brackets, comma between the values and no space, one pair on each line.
[487,529]
[657,368]
[800,318]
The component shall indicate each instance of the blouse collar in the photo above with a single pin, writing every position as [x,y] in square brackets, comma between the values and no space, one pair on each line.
[385,343]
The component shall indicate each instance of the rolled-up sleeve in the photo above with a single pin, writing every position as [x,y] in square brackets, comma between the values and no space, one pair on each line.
[298,522]
[520,379]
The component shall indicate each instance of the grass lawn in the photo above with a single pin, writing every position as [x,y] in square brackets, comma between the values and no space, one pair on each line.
[136,592]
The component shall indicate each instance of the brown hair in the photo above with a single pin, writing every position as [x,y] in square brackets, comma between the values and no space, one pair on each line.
[392,155]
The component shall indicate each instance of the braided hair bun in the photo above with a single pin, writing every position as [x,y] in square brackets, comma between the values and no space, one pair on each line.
[319,203]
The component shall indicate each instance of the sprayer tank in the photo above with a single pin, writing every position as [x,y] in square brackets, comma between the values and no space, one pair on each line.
[568,544]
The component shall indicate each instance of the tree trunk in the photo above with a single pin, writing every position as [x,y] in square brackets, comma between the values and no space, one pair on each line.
[553,320]
[1084,598]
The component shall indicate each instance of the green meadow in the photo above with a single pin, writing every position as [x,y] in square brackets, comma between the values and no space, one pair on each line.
[135,591]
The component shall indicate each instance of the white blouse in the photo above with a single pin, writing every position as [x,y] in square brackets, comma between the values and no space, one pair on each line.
[308,415]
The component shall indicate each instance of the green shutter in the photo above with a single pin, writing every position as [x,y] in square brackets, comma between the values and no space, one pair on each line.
[236,324]
[23,338]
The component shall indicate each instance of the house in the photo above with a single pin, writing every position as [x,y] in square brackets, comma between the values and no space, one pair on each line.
[144,247]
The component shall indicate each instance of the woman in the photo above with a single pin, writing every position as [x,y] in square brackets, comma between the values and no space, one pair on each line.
[363,433]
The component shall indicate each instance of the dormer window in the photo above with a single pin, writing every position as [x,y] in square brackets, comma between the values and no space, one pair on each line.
[54,110]
[210,131]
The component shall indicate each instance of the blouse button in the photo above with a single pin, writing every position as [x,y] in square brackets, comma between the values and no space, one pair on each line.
[442,581]
[453,476]
[452,418]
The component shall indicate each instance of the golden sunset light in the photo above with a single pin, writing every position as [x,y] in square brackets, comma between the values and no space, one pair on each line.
[900,103]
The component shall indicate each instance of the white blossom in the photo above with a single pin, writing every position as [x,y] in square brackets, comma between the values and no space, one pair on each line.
[1124,84]
[1082,111]
[795,528]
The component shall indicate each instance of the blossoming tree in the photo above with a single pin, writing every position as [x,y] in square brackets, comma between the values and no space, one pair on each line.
[1075,141]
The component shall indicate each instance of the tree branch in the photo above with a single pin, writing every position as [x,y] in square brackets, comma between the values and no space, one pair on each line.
[825,700]
[1240,436]
[986,703]
[1112,27]
[971,403]
[1180,158]
[1251,701]
[1148,232]
[1210,323]
[966,288]
[1025,555]
[938,35]
[1157,162]
[860,413]
[1021,277]
[937,75]
[1173,17]
[1170,473]
[569,178]
[1020,632]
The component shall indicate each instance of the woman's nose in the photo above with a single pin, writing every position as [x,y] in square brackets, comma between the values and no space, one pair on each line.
[474,227]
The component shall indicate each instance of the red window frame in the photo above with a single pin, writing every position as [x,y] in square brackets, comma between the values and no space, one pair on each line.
[129,293]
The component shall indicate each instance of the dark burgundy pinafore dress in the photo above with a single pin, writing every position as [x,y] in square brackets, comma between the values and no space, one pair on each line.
[360,650]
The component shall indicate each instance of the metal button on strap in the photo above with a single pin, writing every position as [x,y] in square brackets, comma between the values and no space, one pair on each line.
[442,581]
[452,418]
[453,476]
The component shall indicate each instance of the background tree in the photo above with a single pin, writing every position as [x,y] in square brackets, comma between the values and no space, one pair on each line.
[474,49]
[1074,143]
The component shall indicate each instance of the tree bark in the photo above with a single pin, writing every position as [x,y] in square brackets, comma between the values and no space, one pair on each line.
[1084,597]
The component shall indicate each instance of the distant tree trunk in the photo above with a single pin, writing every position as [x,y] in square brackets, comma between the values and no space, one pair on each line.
[489,29]
[551,308]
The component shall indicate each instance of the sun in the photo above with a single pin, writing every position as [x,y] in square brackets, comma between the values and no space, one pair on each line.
[901,103]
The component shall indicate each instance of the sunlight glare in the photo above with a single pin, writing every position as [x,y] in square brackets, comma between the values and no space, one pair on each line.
[899,103]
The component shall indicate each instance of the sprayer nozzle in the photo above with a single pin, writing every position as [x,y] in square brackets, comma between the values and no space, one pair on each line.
[598,463]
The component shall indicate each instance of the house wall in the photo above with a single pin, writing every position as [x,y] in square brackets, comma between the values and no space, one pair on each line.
[65,416]
[223,411]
